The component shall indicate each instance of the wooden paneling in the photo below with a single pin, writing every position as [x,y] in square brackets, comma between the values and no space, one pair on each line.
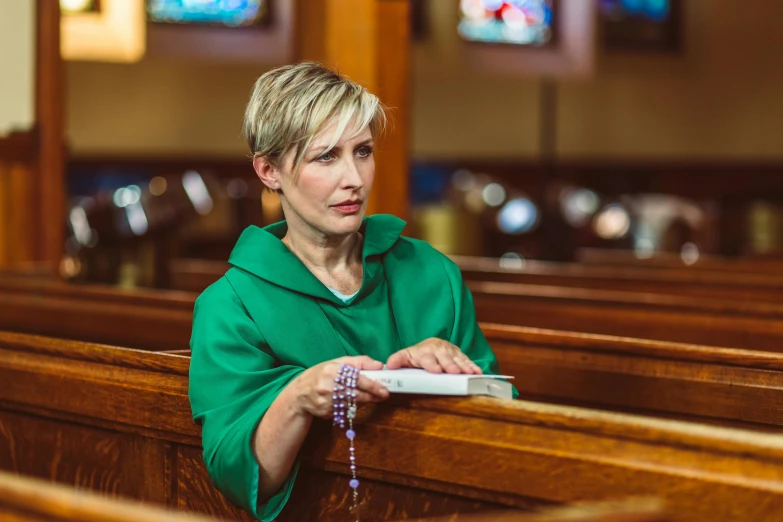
[26,500]
[194,489]
[516,454]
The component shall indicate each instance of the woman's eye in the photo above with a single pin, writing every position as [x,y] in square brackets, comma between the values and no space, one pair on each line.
[364,152]
[325,157]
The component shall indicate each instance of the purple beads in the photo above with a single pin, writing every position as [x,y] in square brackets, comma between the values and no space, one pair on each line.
[344,408]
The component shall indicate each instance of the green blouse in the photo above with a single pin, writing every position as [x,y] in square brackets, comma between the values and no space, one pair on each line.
[269,318]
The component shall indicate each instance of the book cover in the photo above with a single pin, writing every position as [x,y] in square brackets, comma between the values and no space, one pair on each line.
[410,380]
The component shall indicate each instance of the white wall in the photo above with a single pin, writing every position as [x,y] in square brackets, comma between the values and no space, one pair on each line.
[17,65]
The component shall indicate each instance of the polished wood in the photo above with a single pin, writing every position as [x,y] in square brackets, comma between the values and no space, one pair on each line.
[18,238]
[62,310]
[680,282]
[468,454]
[696,381]
[701,383]
[641,510]
[194,275]
[48,210]
[19,147]
[29,500]
[732,324]
[744,265]
[369,41]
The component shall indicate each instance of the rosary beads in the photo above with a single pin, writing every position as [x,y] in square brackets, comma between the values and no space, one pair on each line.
[344,404]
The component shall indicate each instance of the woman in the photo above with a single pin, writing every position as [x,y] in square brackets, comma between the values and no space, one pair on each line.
[323,288]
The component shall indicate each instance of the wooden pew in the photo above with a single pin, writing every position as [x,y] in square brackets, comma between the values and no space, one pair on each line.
[23,499]
[665,260]
[732,324]
[117,421]
[728,386]
[194,275]
[160,320]
[672,281]
[28,500]
[641,510]
[700,383]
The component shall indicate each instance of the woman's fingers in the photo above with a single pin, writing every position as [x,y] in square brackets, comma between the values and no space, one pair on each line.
[374,388]
[429,362]
[399,359]
[362,362]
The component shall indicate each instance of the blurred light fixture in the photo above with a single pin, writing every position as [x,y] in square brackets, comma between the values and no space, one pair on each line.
[690,253]
[644,249]
[236,188]
[80,225]
[463,180]
[578,205]
[76,6]
[70,267]
[158,186]
[512,261]
[613,222]
[474,200]
[197,192]
[518,216]
[126,196]
[115,33]
[493,194]
[137,218]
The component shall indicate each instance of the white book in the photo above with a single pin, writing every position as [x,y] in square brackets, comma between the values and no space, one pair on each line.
[410,380]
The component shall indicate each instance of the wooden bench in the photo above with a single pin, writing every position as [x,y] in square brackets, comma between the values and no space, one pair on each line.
[194,275]
[666,260]
[23,499]
[642,510]
[733,324]
[118,421]
[723,385]
[160,320]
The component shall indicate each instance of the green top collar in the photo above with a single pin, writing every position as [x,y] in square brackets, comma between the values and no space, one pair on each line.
[261,252]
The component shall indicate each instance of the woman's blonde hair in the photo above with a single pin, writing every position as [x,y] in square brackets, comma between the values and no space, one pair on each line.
[292,104]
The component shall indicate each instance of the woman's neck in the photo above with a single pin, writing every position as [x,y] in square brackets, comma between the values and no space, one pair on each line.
[324,253]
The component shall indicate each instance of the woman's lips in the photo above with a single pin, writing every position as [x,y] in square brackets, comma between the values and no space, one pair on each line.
[348,207]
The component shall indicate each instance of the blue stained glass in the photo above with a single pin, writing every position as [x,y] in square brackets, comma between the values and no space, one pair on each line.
[522,22]
[220,12]
[656,10]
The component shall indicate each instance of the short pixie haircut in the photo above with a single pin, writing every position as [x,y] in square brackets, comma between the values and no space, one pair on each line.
[292,104]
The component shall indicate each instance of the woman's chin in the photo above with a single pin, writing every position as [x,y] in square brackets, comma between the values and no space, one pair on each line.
[347,223]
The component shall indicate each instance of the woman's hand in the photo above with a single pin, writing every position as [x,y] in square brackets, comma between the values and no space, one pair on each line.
[315,386]
[435,356]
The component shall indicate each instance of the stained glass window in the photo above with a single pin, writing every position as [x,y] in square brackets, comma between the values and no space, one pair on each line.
[521,22]
[641,24]
[232,13]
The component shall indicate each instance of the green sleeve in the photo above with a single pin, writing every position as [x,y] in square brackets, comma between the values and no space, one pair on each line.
[234,379]
[465,332]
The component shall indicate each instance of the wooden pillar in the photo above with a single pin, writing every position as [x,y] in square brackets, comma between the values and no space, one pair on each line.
[368,41]
[50,188]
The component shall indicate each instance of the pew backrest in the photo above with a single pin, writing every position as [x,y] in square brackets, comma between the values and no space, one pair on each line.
[23,499]
[66,399]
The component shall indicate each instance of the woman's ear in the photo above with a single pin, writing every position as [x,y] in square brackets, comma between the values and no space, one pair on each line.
[266,172]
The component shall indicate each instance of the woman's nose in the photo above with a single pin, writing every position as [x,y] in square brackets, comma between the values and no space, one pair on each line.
[351,175]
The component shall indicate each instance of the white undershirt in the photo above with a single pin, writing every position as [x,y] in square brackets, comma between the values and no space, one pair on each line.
[342,297]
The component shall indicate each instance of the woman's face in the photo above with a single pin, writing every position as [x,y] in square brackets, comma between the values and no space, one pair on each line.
[330,194]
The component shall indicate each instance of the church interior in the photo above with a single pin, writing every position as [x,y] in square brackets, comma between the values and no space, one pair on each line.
[606,174]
